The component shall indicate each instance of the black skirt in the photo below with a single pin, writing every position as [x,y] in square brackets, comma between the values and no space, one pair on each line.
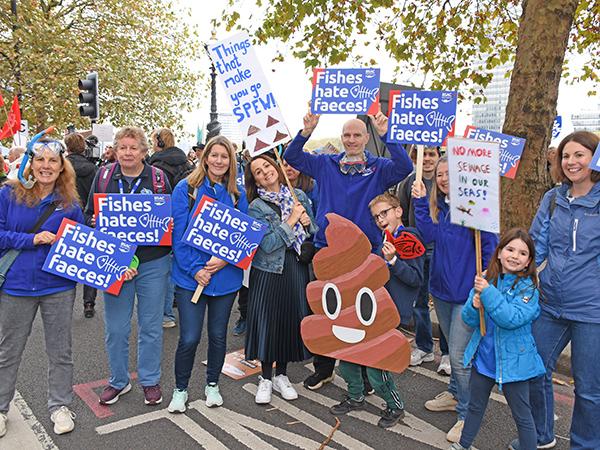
[276,306]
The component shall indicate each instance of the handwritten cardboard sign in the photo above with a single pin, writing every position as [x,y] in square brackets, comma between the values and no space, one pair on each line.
[345,91]
[88,256]
[224,232]
[511,148]
[421,117]
[473,169]
[254,106]
[142,219]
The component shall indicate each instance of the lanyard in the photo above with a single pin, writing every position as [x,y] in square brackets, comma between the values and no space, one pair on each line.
[133,189]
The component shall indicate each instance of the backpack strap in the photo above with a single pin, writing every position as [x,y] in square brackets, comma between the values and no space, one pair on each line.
[191,197]
[158,180]
[106,173]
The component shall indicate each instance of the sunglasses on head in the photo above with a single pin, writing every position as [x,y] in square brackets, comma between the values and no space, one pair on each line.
[54,146]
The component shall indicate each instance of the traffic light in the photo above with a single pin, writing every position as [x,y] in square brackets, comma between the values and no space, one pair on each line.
[89,102]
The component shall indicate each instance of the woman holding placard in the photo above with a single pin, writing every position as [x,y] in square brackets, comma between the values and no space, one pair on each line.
[27,288]
[215,177]
[566,231]
[278,278]
[453,266]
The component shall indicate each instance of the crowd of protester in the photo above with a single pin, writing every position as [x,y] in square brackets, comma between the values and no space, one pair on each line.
[528,321]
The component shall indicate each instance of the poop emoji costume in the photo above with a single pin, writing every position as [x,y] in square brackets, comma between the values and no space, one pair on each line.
[354,317]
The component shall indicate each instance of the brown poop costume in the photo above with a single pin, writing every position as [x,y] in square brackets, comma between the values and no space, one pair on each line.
[354,317]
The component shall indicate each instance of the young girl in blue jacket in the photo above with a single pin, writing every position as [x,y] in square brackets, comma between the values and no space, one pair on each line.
[507,354]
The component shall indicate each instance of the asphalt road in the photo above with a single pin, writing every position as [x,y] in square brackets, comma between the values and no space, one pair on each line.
[240,423]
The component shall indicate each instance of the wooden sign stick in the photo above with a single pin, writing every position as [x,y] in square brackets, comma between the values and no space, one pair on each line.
[197,294]
[419,168]
[479,272]
[287,180]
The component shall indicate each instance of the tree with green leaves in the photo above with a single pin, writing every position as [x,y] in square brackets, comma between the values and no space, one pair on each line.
[141,50]
[455,44]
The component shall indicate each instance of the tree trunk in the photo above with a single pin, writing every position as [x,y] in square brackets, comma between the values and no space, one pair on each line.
[531,109]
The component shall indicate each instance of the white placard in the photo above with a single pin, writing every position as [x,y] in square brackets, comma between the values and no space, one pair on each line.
[474,176]
[103,132]
[254,107]
[20,139]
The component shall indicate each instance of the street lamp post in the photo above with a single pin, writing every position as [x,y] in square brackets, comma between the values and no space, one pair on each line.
[214,127]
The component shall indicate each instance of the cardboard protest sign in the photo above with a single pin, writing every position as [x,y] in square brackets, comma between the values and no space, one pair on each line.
[354,318]
[345,91]
[254,106]
[224,232]
[142,219]
[236,366]
[556,127]
[88,256]
[473,170]
[595,163]
[421,117]
[511,148]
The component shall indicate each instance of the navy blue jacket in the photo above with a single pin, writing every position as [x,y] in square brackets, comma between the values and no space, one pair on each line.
[349,195]
[406,278]
[453,266]
[25,277]
[570,243]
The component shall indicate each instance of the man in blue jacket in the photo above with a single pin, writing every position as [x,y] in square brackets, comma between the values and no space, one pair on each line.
[347,183]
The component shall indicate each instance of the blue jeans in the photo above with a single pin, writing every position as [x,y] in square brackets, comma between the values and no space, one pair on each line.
[191,319]
[458,334]
[168,313]
[149,287]
[551,337]
[517,397]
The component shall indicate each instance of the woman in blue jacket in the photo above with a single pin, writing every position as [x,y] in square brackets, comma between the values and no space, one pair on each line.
[451,270]
[507,354]
[214,177]
[27,288]
[566,230]
[277,297]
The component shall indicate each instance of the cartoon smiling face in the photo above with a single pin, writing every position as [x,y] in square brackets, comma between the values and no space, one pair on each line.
[354,316]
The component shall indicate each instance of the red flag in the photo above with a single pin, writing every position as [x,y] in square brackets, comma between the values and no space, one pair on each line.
[1,100]
[13,122]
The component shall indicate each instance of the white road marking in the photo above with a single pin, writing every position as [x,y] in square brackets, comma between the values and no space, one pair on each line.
[24,430]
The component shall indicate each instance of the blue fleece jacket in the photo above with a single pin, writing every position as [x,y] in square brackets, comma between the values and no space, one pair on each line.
[569,240]
[453,266]
[25,277]
[512,307]
[406,279]
[349,195]
[189,260]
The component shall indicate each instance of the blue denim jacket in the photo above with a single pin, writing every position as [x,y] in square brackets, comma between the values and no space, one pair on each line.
[271,252]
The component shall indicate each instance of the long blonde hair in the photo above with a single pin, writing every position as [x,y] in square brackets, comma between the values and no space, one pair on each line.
[65,187]
[196,178]
[433,196]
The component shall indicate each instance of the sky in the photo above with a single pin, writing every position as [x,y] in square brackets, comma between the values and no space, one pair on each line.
[290,81]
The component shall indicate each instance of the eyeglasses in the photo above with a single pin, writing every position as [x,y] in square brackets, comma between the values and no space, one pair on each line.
[54,146]
[382,215]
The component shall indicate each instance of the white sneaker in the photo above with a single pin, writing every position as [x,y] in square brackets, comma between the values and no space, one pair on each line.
[3,420]
[444,401]
[63,420]
[282,384]
[444,367]
[418,357]
[265,389]
[455,432]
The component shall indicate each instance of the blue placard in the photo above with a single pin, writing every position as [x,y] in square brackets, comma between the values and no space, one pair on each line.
[224,232]
[345,91]
[141,219]
[511,148]
[556,127]
[595,164]
[421,117]
[88,256]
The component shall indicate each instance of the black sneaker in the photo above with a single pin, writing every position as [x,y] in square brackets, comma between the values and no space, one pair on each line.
[368,388]
[240,327]
[88,310]
[390,417]
[346,406]
[317,380]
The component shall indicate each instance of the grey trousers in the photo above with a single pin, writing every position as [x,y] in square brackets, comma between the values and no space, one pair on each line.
[16,318]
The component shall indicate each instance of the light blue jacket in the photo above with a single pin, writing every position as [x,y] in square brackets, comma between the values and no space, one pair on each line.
[570,243]
[270,255]
[512,309]
[189,260]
